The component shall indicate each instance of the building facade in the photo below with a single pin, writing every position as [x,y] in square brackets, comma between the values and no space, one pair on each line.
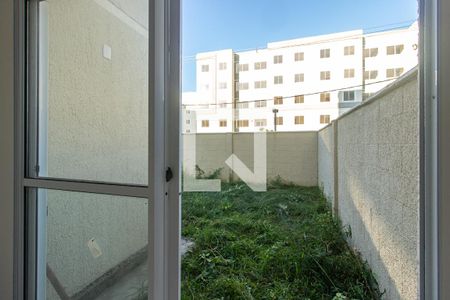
[295,85]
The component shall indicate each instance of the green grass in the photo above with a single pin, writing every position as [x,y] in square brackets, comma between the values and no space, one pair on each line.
[279,244]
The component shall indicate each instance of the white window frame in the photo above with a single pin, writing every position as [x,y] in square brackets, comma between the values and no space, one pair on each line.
[278,59]
[205,68]
[260,103]
[243,67]
[260,65]
[260,122]
[345,93]
[325,53]
[299,56]
[260,84]
[242,86]
[349,73]
[325,75]
[349,50]
[299,77]
[278,79]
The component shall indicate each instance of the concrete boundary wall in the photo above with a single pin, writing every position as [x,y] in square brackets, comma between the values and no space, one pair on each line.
[290,155]
[368,168]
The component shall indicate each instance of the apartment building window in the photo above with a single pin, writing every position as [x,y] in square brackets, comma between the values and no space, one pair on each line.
[325,75]
[188,122]
[260,122]
[205,68]
[349,50]
[324,97]
[278,79]
[278,100]
[349,73]
[370,52]
[398,71]
[243,67]
[279,120]
[188,131]
[222,123]
[222,66]
[299,56]
[278,59]
[260,103]
[222,85]
[243,86]
[205,123]
[242,105]
[241,123]
[390,73]
[324,119]
[349,95]
[396,49]
[299,99]
[299,77]
[394,72]
[324,53]
[222,105]
[261,65]
[262,84]
[299,120]
[371,74]
[367,95]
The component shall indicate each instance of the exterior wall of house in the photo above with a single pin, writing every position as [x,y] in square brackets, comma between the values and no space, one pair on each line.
[97,130]
[378,181]
[290,155]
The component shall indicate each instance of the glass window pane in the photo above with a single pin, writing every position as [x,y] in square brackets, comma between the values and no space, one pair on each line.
[93,97]
[96,245]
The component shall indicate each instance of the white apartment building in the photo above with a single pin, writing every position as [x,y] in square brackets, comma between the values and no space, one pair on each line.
[295,85]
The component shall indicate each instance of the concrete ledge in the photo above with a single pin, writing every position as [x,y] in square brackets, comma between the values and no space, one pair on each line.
[110,277]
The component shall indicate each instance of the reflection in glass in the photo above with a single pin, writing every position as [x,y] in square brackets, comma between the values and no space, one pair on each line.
[94,90]
[96,245]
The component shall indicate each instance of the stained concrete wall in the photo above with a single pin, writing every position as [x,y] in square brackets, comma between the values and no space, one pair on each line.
[97,130]
[325,147]
[378,180]
[290,155]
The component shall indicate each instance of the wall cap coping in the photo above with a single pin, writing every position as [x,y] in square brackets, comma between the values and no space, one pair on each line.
[402,80]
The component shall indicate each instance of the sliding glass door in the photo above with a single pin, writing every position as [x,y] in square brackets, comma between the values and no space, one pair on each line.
[100,208]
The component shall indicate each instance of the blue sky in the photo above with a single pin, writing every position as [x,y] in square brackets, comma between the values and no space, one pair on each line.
[248,24]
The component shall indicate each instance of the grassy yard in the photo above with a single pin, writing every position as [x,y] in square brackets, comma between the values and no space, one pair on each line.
[279,244]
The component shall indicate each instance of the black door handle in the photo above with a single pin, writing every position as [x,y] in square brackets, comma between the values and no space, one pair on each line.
[169,174]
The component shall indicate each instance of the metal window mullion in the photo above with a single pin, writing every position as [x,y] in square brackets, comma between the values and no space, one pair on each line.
[428,245]
[156,147]
[173,142]
[88,187]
